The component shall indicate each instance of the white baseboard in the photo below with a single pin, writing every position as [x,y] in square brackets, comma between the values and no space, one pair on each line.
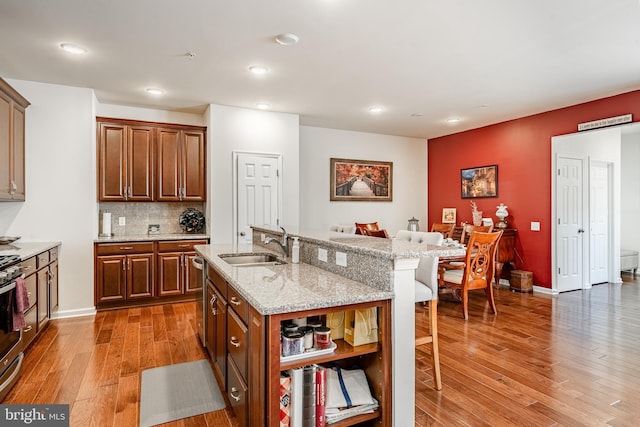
[542,290]
[66,314]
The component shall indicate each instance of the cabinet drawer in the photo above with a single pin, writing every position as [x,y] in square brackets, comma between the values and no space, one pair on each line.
[237,393]
[123,248]
[217,280]
[179,245]
[237,342]
[238,303]
[31,283]
[29,265]
[53,254]
[29,331]
[43,259]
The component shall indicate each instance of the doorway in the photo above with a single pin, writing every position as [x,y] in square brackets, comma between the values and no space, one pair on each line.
[256,193]
[586,209]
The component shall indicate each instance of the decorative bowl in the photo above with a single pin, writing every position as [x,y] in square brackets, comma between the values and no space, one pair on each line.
[6,240]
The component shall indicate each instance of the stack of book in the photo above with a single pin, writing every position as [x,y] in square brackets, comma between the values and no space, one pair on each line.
[302,397]
[314,396]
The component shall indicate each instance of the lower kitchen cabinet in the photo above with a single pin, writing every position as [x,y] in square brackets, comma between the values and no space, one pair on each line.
[145,273]
[252,364]
[41,280]
[125,272]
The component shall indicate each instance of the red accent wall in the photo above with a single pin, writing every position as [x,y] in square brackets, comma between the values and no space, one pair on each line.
[522,150]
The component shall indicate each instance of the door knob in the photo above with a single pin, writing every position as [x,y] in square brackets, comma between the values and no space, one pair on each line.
[242,233]
[580,230]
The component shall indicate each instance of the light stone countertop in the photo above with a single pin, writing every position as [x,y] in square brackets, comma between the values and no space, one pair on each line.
[289,287]
[376,246]
[27,249]
[150,238]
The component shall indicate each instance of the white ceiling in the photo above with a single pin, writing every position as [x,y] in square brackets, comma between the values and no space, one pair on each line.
[483,61]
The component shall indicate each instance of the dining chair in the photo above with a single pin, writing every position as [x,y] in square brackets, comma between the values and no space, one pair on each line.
[458,263]
[445,229]
[426,292]
[341,228]
[362,226]
[478,270]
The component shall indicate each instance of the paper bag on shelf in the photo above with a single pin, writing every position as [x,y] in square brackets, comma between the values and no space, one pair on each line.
[335,322]
[361,326]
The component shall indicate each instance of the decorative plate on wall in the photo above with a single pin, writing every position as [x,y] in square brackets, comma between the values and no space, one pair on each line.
[192,221]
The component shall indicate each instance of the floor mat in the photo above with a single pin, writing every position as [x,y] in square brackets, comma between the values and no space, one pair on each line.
[173,392]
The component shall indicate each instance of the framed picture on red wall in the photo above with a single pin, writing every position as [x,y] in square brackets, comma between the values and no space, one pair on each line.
[480,181]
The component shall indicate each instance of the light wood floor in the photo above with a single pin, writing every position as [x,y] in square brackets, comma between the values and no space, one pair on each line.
[570,360]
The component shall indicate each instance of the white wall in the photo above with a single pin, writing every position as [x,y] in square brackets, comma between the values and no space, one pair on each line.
[630,199]
[409,157]
[236,129]
[60,185]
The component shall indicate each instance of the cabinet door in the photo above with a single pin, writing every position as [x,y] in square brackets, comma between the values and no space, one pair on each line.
[193,276]
[168,165]
[111,275]
[220,339]
[140,276]
[43,296]
[53,287]
[5,140]
[170,269]
[140,163]
[193,164]
[111,162]
[17,172]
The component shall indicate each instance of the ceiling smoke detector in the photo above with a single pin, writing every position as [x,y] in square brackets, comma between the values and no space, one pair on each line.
[287,39]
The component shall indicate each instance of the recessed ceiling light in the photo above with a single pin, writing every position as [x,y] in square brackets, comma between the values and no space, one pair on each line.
[417,114]
[258,69]
[155,91]
[287,39]
[73,48]
[376,109]
[263,105]
[453,120]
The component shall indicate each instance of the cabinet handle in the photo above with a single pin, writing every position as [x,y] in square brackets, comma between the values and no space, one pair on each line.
[27,268]
[126,248]
[129,263]
[235,397]
[28,328]
[234,342]
[29,294]
[124,265]
[184,246]
[212,303]
[124,192]
[235,301]
[129,195]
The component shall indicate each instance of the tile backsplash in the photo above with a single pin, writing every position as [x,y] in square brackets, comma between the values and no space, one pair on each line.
[138,216]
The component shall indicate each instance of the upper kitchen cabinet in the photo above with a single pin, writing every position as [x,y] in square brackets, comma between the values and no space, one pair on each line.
[12,125]
[125,162]
[181,165]
[147,161]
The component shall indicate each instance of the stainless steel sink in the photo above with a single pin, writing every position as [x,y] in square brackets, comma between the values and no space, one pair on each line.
[253,259]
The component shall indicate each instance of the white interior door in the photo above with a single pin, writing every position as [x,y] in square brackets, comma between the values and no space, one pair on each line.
[258,193]
[599,202]
[570,228]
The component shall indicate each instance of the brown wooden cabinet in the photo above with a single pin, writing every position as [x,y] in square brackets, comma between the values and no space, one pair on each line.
[41,280]
[12,143]
[147,161]
[125,162]
[176,274]
[246,349]
[144,273]
[505,253]
[124,272]
[181,165]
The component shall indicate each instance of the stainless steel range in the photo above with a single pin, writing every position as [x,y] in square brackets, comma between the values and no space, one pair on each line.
[10,341]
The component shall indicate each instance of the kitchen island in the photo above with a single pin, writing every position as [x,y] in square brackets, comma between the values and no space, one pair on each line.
[370,272]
